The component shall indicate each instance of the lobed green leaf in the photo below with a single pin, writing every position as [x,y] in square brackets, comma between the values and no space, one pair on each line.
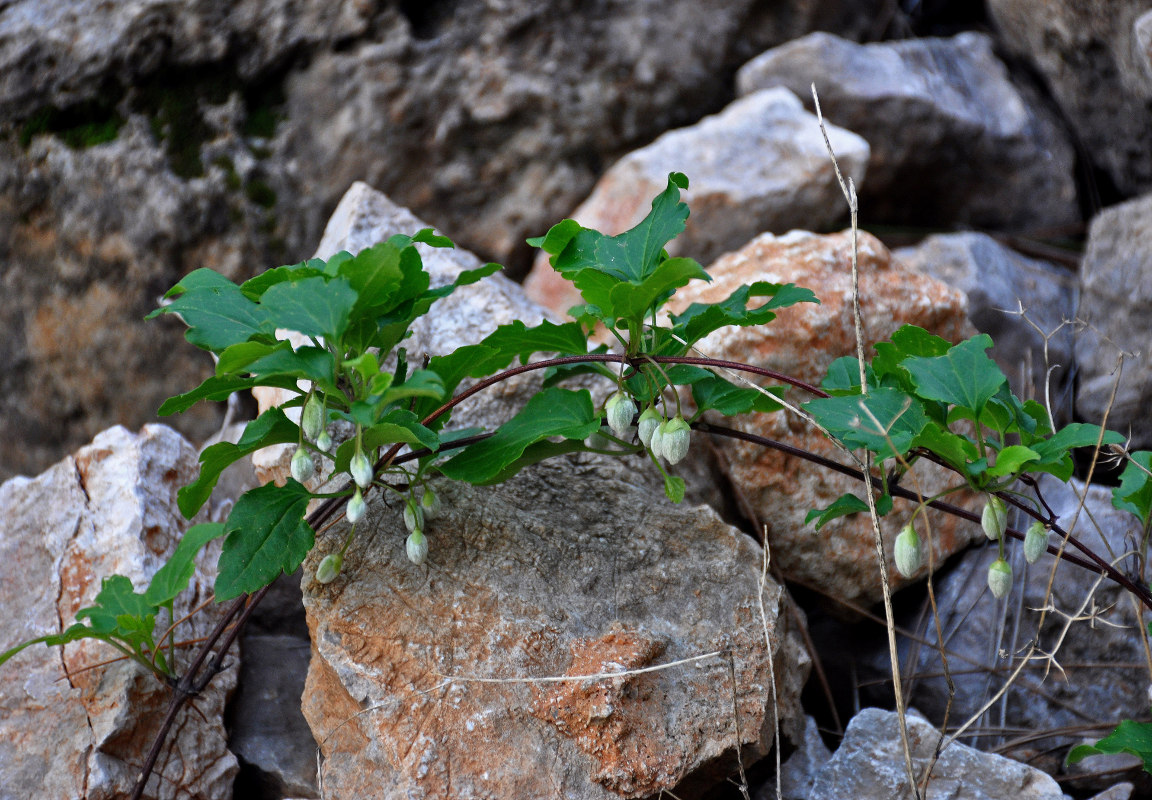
[267,535]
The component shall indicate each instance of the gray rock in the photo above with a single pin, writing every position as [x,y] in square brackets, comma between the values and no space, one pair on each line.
[1092,56]
[953,140]
[999,282]
[798,773]
[1116,304]
[1098,674]
[76,722]
[869,765]
[758,166]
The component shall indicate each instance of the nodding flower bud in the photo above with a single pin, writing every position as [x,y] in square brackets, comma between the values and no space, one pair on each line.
[671,440]
[430,503]
[413,515]
[361,469]
[649,421]
[417,547]
[908,555]
[302,464]
[999,577]
[312,417]
[324,441]
[994,519]
[1035,541]
[356,508]
[329,567]
[620,409]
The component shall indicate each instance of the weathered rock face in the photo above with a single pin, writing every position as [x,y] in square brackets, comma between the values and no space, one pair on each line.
[574,568]
[952,138]
[1095,59]
[759,165]
[999,282]
[870,765]
[802,342]
[1116,302]
[145,138]
[1039,701]
[110,508]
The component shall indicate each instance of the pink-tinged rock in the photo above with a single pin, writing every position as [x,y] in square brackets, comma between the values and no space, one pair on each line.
[574,568]
[759,165]
[802,342]
[77,723]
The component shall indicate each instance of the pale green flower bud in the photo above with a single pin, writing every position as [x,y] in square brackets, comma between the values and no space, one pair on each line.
[312,417]
[324,441]
[671,440]
[303,466]
[908,553]
[649,421]
[417,547]
[620,409]
[356,508]
[329,568]
[413,515]
[994,519]
[1035,541]
[999,577]
[361,469]
[430,504]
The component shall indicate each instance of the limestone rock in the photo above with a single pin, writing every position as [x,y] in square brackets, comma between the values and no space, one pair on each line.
[759,165]
[575,567]
[802,341]
[870,765]
[70,729]
[999,282]
[1094,58]
[952,138]
[1116,304]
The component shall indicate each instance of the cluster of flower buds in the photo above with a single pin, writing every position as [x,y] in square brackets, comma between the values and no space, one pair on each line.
[415,514]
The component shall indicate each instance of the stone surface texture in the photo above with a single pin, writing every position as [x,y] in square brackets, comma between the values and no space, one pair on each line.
[575,567]
[801,342]
[69,729]
[870,766]
[1095,61]
[1116,304]
[1100,677]
[952,136]
[999,283]
[759,165]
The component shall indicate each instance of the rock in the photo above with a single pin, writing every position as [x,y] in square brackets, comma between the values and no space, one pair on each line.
[1121,791]
[1116,304]
[998,282]
[68,728]
[1095,62]
[759,165]
[953,140]
[1048,698]
[798,773]
[839,559]
[577,566]
[870,764]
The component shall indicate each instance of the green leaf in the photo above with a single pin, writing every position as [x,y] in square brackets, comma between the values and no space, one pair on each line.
[714,392]
[267,535]
[216,388]
[1135,490]
[1012,460]
[172,578]
[310,363]
[375,275]
[313,306]
[534,454]
[633,302]
[271,427]
[399,425]
[699,319]
[674,488]
[900,415]
[843,377]
[551,412]
[117,599]
[964,376]
[554,375]
[1129,737]
[216,312]
[955,449]
[72,634]
[843,506]
[421,383]
[253,288]
[518,340]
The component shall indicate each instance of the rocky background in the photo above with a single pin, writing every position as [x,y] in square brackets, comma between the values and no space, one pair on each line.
[1003,155]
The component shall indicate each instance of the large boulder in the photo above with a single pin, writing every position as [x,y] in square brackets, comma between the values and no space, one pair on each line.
[802,342]
[76,723]
[953,139]
[759,165]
